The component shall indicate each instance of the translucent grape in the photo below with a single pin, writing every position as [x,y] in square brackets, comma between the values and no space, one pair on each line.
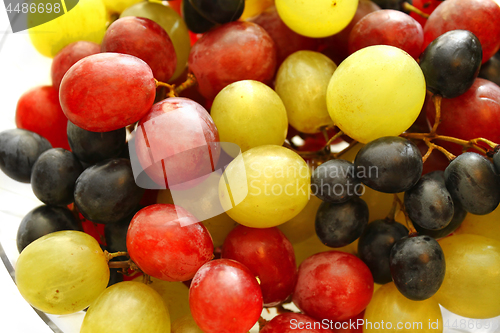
[255,7]
[482,225]
[301,82]
[313,245]
[301,227]
[62,272]
[377,91]
[321,19]
[185,324]
[470,287]
[250,114]
[118,6]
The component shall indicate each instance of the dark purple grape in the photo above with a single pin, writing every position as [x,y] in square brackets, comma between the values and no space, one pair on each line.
[375,245]
[335,181]
[390,164]
[491,69]
[459,214]
[194,20]
[106,192]
[496,161]
[93,147]
[19,150]
[219,11]
[451,63]
[54,175]
[338,225]
[114,277]
[116,235]
[44,220]
[417,267]
[393,4]
[471,180]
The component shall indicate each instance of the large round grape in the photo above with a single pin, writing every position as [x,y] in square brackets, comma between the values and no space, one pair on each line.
[266,186]
[377,91]
[62,272]
[319,19]
[470,287]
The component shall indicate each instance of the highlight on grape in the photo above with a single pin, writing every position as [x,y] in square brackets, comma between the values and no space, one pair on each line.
[358,324]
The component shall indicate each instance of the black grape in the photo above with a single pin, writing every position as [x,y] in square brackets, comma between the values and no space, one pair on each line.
[19,150]
[491,69]
[54,175]
[219,11]
[471,180]
[417,267]
[393,4]
[44,220]
[375,245]
[194,21]
[106,192]
[116,235]
[335,181]
[390,164]
[496,161]
[93,147]
[338,225]
[459,214]
[451,63]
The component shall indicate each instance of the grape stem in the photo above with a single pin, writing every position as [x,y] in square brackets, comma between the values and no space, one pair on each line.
[413,232]
[392,213]
[322,151]
[174,90]
[436,99]
[110,256]
[411,8]
[146,279]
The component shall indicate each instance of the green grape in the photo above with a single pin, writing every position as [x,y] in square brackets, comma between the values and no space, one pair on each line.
[127,307]
[350,155]
[320,18]
[471,285]
[118,6]
[255,7]
[86,21]
[301,83]
[62,272]
[250,114]
[482,225]
[377,91]
[379,204]
[268,185]
[301,227]
[185,324]
[390,307]
[173,24]
[313,245]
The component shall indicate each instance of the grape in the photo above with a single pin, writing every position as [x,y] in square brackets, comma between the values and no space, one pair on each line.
[115,235]
[250,114]
[294,323]
[301,227]
[379,204]
[173,24]
[389,164]
[194,20]
[238,306]
[54,175]
[268,254]
[221,11]
[375,245]
[62,272]
[93,147]
[388,27]
[313,245]
[69,56]
[470,287]
[19,150]
[426,6]
[118,6]
[127,307]
[269,185]
[491,69]
[335,181]
[301,83]
[144,39]
[168,243]
[106,192]
[86,21]
[451,63]
[232,52]
[390,307]
[417,266]
[333,285]
[107,91]
[255,7]
[472,181]
[322,19]
[377,91]
[338,225]
[482,225]
[44,220]
[38,110]
[185,324]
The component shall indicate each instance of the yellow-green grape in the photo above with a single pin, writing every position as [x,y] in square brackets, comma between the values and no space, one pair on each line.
[255,7]
[62,272]
[301,83]
[267,186]
[173,24]
[86,21]
[320,18]
[118,6]
[301,227]
[350,155]
[185,324]
[482,225]
[471,286]
[313,245]
[127,307]
[249,114]
[391,309]
[377,91]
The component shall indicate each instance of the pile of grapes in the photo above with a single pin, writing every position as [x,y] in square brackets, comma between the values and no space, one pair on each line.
[366,190]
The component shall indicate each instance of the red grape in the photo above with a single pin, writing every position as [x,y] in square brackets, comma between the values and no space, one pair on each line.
[269,255]
[426,6]
[107,91]
[225,297]
[38,110]
[333,285]
[232,52]
[295,323]
[168,243]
